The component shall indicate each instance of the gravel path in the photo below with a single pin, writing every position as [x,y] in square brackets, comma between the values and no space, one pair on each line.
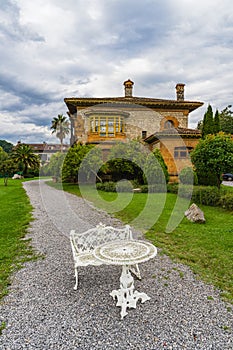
[42,311]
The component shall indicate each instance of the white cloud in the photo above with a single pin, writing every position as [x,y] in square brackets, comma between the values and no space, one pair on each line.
[51,49]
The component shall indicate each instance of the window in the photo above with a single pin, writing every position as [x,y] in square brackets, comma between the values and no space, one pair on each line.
[182,152]
[106,126]
[168,124]
[144,133]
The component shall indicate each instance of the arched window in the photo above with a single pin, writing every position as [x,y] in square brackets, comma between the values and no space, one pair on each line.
[168,124]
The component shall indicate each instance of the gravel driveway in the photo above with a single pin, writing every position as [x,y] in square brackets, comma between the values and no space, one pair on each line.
[42,311]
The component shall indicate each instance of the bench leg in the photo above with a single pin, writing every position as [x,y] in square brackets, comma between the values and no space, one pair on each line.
[76,277]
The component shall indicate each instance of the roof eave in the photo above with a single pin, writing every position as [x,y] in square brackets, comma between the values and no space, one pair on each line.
[73,103]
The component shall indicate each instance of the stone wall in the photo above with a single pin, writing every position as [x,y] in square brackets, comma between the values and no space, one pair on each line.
[139,119]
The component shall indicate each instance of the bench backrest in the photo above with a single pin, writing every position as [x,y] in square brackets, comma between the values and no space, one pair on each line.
[88,240]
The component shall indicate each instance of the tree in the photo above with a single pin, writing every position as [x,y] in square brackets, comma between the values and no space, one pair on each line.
[54,168]
[226,120]
[213,156]
[3,155]
[126,161]
[23,154]
[208,122]
[7,169]
[73,161]
[91,164]
[60,126]
[188,177]
[216,123]
[155,168]
[7,146]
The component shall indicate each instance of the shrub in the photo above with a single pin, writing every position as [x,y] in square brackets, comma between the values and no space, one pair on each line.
[172,188]
[106,186]
[124,186]
[144,188]
[207,195]
[226,201]
[187,176]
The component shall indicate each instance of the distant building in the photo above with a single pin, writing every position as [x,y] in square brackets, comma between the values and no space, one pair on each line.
[45,150]
[107,120]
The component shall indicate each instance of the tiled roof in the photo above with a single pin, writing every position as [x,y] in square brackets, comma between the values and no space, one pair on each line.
[121,102]
[183,132]
[46,146]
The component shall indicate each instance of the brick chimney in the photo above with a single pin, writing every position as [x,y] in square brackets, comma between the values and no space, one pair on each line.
[128,88]
[180,92]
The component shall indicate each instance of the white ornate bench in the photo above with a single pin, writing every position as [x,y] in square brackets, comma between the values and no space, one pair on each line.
[83,244]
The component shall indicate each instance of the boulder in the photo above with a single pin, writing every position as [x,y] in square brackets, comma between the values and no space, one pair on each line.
[17,176]
[195,214]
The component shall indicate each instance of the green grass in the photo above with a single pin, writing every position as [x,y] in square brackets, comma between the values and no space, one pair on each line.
[206,248]
[15,216]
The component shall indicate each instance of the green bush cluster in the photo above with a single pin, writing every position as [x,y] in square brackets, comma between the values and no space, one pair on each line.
[124,186]
[157,188]
[188,177]
[207,195]
[106,186]
[226,201]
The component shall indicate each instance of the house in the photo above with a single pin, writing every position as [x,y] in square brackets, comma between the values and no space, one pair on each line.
[106,120]
[45,150]
[175,144]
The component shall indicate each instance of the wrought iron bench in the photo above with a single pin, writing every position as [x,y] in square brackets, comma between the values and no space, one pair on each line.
[83,244]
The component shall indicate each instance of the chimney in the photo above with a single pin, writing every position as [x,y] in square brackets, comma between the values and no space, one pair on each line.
[180,92]
[128,88]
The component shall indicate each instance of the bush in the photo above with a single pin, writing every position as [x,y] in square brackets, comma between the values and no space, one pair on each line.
[207,195]
[226,201]
[172,188]
[187,176]
[207,179]
[124,186]
[106,186]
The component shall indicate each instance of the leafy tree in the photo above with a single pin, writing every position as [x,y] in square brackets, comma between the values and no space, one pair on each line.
[208,122]
[226,120]
[7,169]
[188,177]
[7,146]
[73,161]
[91,164]
[126,161]
[155,169]
[3,155]
[212,157]
[24,154]
[216,123]
[54,168]
[60,126]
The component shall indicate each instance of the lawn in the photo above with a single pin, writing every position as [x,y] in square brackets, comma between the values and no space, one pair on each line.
[15,216]
[206,248]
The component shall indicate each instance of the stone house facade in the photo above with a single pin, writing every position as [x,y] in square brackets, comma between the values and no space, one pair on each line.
[104,121]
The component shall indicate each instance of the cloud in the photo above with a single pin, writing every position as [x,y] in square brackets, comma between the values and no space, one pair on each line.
[51,49]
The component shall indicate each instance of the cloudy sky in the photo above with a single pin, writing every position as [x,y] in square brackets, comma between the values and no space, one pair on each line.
[52,49]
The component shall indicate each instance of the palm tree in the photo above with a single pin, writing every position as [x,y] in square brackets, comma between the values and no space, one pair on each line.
[60,126]
[24,154]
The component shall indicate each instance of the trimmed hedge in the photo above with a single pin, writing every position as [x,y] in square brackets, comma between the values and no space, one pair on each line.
[226,201]
[206,195]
